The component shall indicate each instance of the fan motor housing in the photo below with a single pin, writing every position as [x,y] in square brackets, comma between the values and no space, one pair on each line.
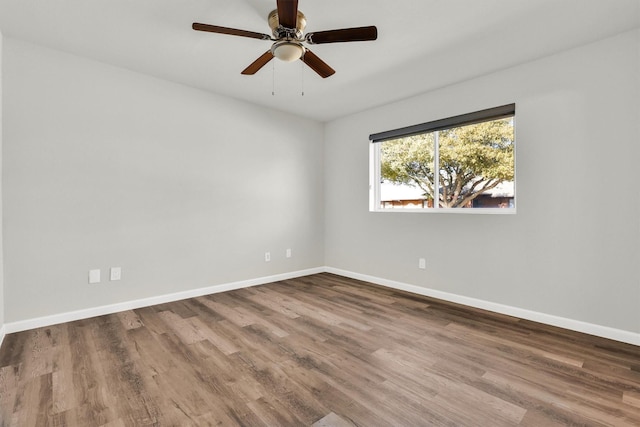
[280,32]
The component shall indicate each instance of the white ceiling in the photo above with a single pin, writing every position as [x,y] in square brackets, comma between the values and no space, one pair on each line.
[422,44]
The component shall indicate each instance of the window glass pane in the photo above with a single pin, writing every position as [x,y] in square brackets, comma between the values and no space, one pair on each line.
[407,172]
[476,165]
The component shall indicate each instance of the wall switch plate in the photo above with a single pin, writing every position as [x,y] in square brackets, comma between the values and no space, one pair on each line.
[94,276]
[288,253]
[116,273]
[267,256]
[422,263]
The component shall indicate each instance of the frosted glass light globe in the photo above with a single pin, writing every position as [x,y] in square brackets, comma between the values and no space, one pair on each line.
[288,51]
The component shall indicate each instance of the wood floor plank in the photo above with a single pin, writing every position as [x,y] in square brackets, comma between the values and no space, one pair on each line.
[332,420]
[321,350]
[631,399]
[130,319]
[64,395]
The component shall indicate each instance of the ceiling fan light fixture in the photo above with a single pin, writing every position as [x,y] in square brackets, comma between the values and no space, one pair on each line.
[287,24]
[287,51]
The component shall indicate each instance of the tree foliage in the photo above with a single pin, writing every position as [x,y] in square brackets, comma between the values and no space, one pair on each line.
[473,160]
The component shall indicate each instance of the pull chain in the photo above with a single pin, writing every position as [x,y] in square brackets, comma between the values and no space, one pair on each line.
[273,78]
[302,77]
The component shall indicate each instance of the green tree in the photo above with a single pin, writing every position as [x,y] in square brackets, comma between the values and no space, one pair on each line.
[473,160]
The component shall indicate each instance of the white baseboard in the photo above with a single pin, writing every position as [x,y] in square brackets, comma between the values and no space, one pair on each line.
[574,325]
[548,319]
[40,322]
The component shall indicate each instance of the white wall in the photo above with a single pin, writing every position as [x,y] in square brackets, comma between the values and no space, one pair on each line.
[572,250]
[181,189]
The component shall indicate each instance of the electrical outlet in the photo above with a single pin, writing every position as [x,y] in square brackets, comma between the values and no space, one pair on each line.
[94,276]
[288,253]
[267,256]
[422,263]
[115,273]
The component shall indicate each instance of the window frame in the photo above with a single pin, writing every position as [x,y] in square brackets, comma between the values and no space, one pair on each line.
[490,114]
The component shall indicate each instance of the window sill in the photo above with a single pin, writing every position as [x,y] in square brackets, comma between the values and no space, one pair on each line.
[455,211]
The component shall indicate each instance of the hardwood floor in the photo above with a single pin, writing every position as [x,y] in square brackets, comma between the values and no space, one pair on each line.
[321,350]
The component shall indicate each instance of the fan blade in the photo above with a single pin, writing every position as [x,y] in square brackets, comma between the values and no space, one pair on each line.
[317,64]
[258,63]
[231,31]
[288,13]
[359,34]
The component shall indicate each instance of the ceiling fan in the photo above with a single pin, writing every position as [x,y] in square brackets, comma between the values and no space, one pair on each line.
[287,25]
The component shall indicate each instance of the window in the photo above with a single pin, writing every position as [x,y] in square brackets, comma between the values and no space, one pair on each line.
[473,154]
